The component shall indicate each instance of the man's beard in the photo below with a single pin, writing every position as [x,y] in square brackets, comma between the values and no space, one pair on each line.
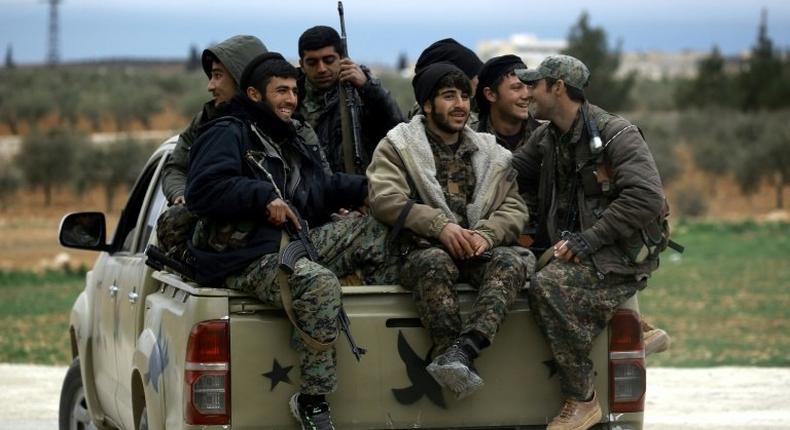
[442,122]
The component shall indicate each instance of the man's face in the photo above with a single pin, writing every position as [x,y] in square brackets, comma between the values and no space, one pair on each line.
[510,99]
[542,100]
[281,96]
[221,84]
[449,110]
[321,66]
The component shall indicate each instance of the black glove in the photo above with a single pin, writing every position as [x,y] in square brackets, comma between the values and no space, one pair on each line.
[577,244]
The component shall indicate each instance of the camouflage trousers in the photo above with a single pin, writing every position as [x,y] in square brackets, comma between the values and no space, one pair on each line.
[572,306]
[344,246]
[431,275]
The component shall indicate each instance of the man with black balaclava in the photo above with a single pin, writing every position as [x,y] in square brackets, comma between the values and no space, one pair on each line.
[252,173]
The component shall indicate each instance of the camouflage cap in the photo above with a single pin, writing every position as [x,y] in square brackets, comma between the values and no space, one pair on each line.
[572,71]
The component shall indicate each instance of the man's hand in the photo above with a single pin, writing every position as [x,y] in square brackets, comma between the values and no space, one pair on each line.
[351,72]
[572,248]
[479,243]
[278,212]
[458,241]
[180,200]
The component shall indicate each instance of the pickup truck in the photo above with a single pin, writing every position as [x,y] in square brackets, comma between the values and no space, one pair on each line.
[152,350]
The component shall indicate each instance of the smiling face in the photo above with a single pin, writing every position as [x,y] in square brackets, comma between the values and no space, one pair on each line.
[542,100]
[221,84]
[448,111]
[321,66]
[282,96]
[510,100]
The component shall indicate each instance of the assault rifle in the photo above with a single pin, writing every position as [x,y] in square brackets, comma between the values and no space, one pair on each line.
[349,112]
[158,260]
[301,246]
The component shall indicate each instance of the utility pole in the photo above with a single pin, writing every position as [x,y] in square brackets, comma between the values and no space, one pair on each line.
[53,48]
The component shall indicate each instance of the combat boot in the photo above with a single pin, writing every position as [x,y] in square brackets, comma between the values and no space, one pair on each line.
[655,339]
[577,415]
[454,369]
[311,417]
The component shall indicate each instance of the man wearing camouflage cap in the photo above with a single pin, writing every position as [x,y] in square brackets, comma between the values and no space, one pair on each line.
[590,179]
[223,64]
[502,100]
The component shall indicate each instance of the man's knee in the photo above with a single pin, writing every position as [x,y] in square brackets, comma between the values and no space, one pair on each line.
[317,282]
[434,261]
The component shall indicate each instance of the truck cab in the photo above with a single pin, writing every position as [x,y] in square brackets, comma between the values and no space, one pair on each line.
[153,350]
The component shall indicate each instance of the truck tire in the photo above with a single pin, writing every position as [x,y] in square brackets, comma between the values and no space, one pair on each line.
[73,413]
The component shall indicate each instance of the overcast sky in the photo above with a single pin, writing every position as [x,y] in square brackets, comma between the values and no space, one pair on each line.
[377,29]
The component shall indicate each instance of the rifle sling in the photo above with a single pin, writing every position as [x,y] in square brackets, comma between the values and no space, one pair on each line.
[287,299]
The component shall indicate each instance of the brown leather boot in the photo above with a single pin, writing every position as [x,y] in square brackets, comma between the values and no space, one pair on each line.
[576,415]
[655,339]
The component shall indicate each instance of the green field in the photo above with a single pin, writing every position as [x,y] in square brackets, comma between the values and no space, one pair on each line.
[725,301]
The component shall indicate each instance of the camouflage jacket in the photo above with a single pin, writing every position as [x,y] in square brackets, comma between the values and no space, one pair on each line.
[378,114]
[404,159]
[613,220]
[174,175]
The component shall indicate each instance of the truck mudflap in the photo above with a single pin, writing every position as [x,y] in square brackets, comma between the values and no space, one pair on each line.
[389,388]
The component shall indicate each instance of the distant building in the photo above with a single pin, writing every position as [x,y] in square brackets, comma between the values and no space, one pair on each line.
[656,65]
[527,46]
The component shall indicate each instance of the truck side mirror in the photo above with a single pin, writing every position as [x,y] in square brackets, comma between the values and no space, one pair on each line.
[84,230]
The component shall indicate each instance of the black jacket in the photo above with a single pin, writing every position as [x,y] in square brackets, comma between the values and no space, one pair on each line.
[378,114]
[228,187]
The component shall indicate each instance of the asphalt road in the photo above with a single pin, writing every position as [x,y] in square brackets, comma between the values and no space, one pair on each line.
[677,399]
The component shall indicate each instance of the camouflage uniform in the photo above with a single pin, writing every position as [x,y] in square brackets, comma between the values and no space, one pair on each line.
[431,273]
[562,181]
[572,306]
[344,246]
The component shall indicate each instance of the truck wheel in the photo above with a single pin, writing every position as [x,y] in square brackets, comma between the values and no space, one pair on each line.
[143,420]
[73,413]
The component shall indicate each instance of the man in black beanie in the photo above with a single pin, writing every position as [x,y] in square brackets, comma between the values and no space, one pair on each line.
[453,193]
[324,67]
[251,172]
[449,50]
[503,102]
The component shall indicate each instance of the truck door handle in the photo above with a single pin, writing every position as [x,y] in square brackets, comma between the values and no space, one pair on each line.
[133,297]
[113,290]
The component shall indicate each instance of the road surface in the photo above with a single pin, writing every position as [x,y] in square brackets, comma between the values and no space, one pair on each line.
[719,398]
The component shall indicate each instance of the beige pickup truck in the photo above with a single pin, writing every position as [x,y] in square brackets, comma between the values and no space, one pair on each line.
[153,351]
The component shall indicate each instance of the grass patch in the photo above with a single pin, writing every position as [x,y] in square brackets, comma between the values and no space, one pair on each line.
[725,300]
[34,316]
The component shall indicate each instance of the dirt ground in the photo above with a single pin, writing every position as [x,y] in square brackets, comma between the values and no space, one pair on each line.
[718,398]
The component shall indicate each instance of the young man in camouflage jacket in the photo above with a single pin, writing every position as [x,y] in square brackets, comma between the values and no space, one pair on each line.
[453,193]
[598,201]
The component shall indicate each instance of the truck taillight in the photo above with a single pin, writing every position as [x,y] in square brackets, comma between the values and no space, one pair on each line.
[626,363]
[207,374]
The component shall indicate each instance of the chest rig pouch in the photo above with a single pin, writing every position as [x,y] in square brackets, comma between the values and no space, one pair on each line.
[596,178]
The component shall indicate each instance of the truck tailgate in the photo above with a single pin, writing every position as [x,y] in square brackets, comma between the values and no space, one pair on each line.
[389,387]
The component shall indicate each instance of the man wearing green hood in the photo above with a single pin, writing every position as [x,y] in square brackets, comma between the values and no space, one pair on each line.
[223,64]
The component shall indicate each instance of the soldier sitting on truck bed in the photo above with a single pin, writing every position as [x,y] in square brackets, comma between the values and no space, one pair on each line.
[454,190]
[252,174]
[589,177]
